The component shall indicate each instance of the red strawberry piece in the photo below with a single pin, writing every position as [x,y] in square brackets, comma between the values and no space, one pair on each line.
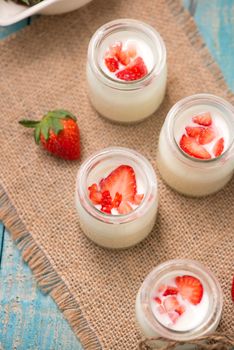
[58,133]
[138,198]
[134,71]
[232,291]
[117,200]
[131,50]
[93,188]
[121,180]
[218,147]
[112,64]
[158,300]
[190,288]
[95,195]
[106,202]
[170,291]
[191,147]
[206,136]
[115,49]
[123,58]
[124,208]
[180,310]
[173,316]
[171,304]
[203,119]
[194,131]
[162,288]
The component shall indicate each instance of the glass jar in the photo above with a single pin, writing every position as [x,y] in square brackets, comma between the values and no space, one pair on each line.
[149,323]
[116,231]
[188,175]
[119,100]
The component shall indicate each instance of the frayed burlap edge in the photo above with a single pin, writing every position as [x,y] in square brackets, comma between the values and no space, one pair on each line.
[47,278]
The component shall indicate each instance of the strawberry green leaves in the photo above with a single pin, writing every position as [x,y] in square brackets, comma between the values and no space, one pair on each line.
[50,121]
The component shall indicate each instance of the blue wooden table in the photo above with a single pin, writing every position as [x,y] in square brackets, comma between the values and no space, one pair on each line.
[30,320]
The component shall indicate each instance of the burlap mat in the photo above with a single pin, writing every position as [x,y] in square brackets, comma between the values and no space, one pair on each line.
[43,68]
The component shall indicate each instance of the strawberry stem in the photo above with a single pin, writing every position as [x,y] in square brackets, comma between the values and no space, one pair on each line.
[29,123]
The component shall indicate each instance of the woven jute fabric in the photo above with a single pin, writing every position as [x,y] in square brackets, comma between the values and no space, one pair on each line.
[43,68]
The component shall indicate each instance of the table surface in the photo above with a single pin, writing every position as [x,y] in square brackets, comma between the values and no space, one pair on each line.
[31,320]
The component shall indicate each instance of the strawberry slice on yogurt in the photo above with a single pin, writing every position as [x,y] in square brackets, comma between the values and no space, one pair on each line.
[117,191]
[202,138]
[125,62]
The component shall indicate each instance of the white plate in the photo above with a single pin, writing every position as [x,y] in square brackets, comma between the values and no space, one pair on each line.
[11,13]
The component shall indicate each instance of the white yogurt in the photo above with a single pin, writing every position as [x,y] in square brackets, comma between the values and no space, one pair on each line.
[115,230]
[119,100]
[188,175]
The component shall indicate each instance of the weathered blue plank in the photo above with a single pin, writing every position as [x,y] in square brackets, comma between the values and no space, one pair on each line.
[5,31]
[28,319]
[215,20]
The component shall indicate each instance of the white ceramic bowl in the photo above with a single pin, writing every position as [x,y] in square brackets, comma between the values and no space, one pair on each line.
[11,12]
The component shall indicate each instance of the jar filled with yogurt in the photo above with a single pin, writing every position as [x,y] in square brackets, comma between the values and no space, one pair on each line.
[179,300]
[116,197]
[196,145]
[126,70]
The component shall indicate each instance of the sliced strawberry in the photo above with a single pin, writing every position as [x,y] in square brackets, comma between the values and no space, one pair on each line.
[180,310]
[206,136]
[115,49]
[203,119]
[123,58]
[171,304]
[112,64]
[134,71]
[124,208]
[131,50]
[162,288]
[194,131]
[191,147]
[218,147]
[138,198]
[173,316]
[232,291]
[190,288]
[95,195]
[93,188]
[121,180]
[158,300]
[117,200]
[170,291]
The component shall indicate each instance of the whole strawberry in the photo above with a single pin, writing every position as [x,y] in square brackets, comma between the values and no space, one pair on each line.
[58,132]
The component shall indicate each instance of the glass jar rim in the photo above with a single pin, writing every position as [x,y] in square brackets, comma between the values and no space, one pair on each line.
[115,25]
[181,106]
[81,185]
[206,326]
